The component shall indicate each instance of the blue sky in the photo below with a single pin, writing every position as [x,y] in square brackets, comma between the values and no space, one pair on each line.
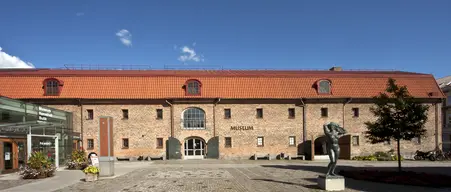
[408,35]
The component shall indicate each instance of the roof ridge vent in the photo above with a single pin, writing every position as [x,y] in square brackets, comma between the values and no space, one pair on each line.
[336,69]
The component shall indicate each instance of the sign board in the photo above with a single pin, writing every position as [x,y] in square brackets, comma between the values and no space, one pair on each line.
[14,129]
[7,156]
[242,128]
[43,114]
[45,143]
[94,160]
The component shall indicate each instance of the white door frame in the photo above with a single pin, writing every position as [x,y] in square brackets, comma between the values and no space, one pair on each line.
[194,156]
[29,137]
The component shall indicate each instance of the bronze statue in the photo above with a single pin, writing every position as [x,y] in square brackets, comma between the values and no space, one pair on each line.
[333,132]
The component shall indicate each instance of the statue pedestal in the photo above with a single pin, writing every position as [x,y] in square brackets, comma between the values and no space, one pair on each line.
[331,183]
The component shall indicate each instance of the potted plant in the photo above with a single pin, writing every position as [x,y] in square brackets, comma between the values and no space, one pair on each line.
[91,173]
[37,167]
[78,160]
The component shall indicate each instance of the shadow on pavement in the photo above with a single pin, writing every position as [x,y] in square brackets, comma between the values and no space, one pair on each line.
[361,185]
[290,183]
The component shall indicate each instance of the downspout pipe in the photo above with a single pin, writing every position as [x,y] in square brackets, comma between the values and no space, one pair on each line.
[438,144]
[304,125]
[172,117]
[344,104]
[81,122]
[214,116]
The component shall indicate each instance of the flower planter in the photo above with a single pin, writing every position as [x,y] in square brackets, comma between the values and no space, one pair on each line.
[89,177]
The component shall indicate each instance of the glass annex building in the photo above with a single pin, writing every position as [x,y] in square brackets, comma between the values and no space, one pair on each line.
[27,128]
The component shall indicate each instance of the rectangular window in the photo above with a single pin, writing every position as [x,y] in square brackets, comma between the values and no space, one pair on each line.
[90,114]
[324,112]
[159,113]
[124,143]
[355,112]
[159,143]
[448,101]
[124,113]
[227,114]
[292,141]
[291,113]
[228,142]
[416,140]
[259,113]
[260,142]
[90,144]
[355,140]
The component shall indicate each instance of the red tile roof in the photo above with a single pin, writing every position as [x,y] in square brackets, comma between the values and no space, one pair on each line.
[233,84]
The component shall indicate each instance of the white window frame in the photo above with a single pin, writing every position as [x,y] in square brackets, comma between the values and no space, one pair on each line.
[193,128]
[260,142]
[292,141]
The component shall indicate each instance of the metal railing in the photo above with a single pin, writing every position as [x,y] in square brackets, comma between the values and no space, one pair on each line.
[195,67]
[105,67]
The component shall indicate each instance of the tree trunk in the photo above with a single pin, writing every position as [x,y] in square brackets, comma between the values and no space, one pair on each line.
[399,156]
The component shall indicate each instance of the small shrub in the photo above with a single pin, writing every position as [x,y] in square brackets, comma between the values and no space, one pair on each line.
[38,166]
[79,160]
[365,158]
[378,156]
[91,169]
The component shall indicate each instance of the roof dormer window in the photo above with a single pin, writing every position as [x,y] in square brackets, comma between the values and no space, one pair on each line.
[52,87]
[324,87]
[193,87]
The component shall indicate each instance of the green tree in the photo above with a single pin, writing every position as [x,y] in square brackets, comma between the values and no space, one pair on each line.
[399,117]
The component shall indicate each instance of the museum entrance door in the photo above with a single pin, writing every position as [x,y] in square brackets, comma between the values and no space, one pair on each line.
[46,144]
[8,154]
[194,148]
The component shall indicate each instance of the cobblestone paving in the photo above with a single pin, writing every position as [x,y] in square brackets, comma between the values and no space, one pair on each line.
[231,177]
[6,184]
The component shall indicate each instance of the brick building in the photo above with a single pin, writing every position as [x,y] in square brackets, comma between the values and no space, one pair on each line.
[226,114]
[445,85]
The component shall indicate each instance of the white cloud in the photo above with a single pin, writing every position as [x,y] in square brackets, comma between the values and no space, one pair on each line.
[80,14]
[125,37]
[9,61]
[189,54]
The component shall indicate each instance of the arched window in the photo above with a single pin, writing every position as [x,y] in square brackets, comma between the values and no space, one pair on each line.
[324,87]
[52,87]
[194,118]
[192,87]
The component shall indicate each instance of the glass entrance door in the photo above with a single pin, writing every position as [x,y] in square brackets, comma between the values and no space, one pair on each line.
[194,148]
[22,153]
[8,154]
[45,145]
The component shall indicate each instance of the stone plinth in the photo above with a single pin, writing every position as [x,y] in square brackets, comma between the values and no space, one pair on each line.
[331,183]
[106,166]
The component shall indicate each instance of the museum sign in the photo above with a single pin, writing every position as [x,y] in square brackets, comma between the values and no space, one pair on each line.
[239,128]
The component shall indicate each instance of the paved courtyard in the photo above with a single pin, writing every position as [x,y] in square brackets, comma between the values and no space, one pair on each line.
[217,175]
[207,175]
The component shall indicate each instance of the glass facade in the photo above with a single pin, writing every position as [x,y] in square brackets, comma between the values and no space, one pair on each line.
[45,126]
